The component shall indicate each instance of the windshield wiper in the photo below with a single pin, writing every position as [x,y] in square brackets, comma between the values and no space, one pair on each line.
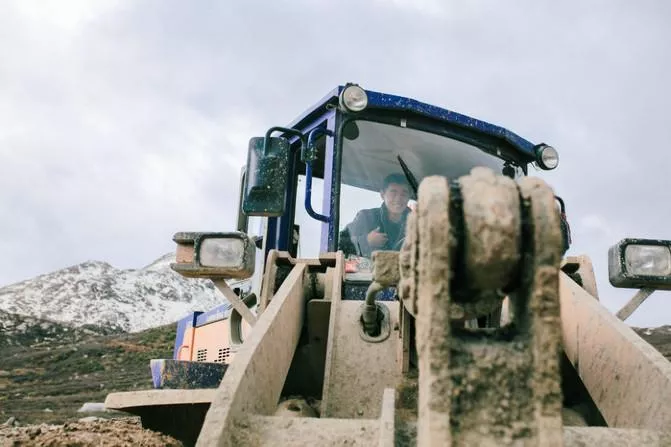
[408,175]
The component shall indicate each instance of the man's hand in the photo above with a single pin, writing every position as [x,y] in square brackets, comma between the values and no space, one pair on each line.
[377,239]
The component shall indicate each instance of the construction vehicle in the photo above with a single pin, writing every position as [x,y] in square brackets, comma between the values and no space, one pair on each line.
[474,329]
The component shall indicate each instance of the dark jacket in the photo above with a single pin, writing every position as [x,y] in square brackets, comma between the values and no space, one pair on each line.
[365,221]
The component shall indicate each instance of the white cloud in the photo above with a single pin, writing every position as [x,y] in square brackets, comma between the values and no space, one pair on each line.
[66,15]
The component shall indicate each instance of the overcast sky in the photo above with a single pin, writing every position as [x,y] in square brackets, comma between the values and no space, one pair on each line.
[123,122]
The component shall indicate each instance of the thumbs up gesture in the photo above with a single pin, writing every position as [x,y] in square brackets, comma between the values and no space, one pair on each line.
[377,239]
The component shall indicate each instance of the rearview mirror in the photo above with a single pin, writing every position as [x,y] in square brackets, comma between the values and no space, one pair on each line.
[265,185]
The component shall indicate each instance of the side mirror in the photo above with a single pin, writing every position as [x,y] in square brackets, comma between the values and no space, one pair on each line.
[640,263]
[265,185]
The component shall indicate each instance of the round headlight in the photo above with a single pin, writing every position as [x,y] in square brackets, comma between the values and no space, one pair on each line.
[354,98]
[547,157]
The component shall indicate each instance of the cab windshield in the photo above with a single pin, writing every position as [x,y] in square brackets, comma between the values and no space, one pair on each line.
[374,194]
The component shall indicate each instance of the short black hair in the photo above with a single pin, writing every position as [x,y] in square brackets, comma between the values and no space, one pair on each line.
[394,178]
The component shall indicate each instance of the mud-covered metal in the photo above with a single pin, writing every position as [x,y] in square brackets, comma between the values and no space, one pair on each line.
[580,270]
[628,379]
[265,186]
[179,374]
[385,273]
[188,260]
[386,267]
[491,257]
[498,386]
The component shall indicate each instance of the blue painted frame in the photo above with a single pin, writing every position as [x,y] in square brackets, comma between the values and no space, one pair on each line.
[279,228]
[386,101]
[326,111]
[391,102]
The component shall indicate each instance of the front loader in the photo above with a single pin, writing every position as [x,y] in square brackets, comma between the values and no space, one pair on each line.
[473,329]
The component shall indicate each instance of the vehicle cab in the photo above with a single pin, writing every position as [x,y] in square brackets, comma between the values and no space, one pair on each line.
[336,156]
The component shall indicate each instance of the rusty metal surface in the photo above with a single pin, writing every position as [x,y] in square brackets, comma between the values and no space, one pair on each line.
[253,383]
[615,364]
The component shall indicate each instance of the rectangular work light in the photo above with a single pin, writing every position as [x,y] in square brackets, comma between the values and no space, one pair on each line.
[229,255]
[640,263]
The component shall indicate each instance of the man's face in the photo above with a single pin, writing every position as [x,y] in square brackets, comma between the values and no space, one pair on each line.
[396,197]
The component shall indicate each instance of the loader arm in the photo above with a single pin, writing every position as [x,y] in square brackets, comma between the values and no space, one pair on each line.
[628,380]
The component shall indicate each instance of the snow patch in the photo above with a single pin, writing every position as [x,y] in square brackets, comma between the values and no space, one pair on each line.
[96,293]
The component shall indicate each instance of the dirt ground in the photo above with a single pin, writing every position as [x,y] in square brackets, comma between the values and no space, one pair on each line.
[94,431]
[659,337]
[85,432]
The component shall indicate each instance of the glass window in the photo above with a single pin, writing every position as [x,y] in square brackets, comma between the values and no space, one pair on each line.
[370,153]
[310,229]
[256,226]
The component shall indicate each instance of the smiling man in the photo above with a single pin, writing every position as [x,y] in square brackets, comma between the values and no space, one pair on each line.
[382,228]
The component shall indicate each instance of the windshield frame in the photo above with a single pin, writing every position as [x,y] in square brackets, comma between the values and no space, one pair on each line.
[487,143]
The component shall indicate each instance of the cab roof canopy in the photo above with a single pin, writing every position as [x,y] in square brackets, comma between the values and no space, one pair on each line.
[388,102]
[391,108]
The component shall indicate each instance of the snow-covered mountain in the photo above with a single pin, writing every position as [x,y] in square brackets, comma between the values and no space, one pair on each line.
[96,293]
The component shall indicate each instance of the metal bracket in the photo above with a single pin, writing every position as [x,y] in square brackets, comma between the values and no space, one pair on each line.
[235,300]
[634,303]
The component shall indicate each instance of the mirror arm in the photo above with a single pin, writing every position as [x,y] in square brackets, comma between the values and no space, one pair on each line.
[290,131]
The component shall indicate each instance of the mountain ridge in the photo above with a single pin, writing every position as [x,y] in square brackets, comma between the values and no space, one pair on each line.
[95,293]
